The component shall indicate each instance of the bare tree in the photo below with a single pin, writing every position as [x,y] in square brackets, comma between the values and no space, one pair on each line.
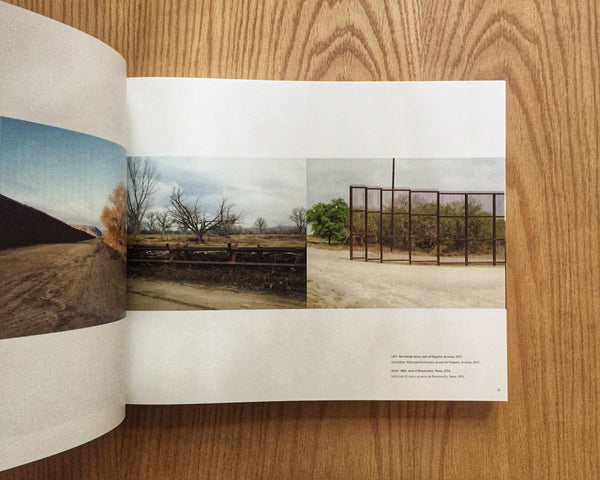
[190,217]
[298,216]
[164,221]
[151,222]
[142,183]
[260,225]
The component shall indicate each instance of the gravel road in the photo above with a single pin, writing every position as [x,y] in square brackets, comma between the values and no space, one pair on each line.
[145,294]
[56,287]
[334,281]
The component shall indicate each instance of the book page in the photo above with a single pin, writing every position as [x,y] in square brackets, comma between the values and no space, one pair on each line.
[312,241]
[62,191]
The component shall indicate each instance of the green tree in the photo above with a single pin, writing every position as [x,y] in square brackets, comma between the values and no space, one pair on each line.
[330,220]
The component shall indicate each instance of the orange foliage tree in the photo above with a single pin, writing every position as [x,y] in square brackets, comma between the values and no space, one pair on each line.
[114,218]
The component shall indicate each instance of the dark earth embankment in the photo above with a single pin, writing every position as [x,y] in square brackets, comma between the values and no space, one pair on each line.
[21,225]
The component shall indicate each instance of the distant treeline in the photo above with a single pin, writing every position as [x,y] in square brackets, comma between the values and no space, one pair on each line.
[228,230]
[184,214]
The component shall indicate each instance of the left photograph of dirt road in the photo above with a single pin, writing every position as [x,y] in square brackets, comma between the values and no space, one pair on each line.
[62,229]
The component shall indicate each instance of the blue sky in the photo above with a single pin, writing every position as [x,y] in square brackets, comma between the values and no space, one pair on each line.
[258,187]
[65,174]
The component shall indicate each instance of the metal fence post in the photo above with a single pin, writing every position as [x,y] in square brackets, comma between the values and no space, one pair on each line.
[366,225]
[466,229]
[494,229]
[381,225]
[351,226]
[438,228]
[410,227]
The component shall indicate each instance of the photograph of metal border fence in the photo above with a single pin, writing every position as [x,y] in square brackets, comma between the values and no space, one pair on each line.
[426,226]
[411,247]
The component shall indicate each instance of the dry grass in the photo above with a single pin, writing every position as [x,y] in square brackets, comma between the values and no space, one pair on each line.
[321,243]
[318,242]
[246,240]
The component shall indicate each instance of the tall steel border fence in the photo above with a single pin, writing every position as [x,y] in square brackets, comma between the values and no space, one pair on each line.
[427,226]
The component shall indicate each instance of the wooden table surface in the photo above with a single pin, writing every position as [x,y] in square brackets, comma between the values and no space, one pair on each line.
[548,53]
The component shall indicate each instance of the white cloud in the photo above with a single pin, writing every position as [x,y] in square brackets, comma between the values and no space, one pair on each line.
[271,188]
[268,188]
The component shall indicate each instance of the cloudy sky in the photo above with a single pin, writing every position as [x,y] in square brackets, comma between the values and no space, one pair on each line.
[65,174]
[271,188]
[268,188]
[331,178]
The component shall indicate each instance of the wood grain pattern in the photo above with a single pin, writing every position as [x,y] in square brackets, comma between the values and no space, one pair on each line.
[547,51]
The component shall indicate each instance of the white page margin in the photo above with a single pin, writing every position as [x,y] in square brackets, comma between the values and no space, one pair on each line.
[55,75]
[241,356]
[59,390]
[247,118]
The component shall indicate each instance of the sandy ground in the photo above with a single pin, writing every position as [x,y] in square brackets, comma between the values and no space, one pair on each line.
[145,294]
[50,288]
[334,281]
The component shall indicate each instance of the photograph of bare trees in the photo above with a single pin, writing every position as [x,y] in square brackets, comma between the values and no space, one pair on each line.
[216,234]
[62,229]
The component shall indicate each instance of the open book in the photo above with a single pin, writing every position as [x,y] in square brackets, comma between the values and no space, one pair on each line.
[287,240]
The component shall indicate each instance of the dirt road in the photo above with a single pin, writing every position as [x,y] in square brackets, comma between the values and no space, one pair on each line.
[50,288]
[145,294]
[334,281]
